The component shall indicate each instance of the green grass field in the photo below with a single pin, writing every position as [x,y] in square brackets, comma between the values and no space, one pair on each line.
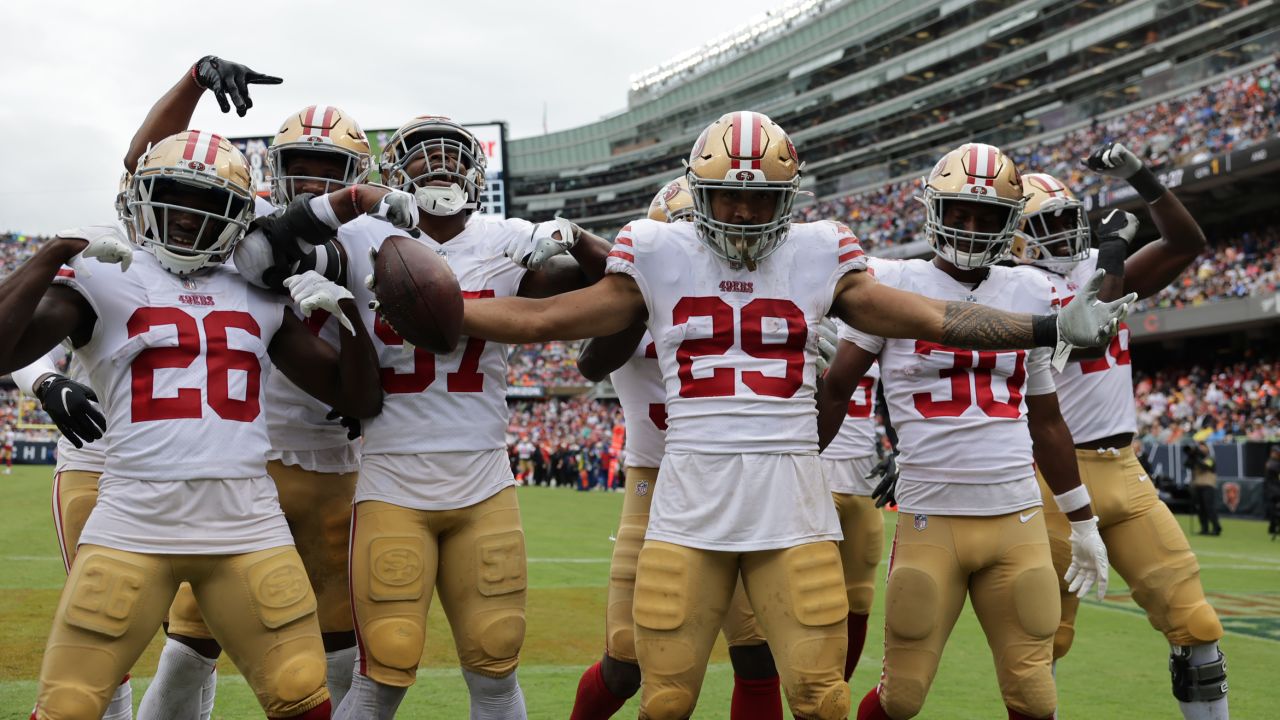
[1117,669]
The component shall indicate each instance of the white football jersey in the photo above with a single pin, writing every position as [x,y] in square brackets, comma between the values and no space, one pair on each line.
[857,436]
[960,415]
[445,404]
[644,405]
[1096,396]
[737,350]
[178,364]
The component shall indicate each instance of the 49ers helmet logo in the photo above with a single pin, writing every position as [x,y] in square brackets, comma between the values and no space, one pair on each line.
[745,175]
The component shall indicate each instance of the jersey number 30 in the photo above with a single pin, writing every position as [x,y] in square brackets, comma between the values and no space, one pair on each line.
[219,361]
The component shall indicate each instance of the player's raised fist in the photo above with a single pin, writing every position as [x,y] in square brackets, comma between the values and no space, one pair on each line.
[225,78]
[1114,160]
[398,208]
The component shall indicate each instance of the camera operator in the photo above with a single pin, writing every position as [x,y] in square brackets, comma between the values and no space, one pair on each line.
[1204,481]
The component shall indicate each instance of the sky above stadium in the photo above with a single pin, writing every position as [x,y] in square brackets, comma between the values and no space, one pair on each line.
[80,76]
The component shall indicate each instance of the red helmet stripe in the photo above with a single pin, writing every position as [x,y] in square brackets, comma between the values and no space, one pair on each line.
[308,119]
[327,122]
[757,133]
[189,151]
[211,154]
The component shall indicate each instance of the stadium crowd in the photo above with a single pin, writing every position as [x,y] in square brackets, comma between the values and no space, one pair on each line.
[565,442]
[1229,115]
[1248,264]
[1226,401]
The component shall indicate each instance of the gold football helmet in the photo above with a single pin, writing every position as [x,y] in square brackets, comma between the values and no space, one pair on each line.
[673,202]
[743,151]
[1054,230]
[987,181]
[189,202]
[322,130]
[451,176]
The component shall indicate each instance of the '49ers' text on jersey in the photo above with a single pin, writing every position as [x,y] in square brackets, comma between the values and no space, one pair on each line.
[644,407]
[737,350]
[961,415]
[1096,396]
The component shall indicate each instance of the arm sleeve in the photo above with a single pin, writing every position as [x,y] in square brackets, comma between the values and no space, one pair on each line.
[1039,372]
[871,343]
[25,378]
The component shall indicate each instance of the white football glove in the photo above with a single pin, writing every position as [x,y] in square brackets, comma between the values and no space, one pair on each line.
[1089,562]
[1118,224]
[550,238]
[398,208]
[827,341]
[1114,160]
[312,291]
[253,256]
[110,248]
[1087,322]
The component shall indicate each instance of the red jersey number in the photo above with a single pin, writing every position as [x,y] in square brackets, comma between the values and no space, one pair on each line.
[220,360]
[466,379]
[721,381]
[861,402]
[968,364]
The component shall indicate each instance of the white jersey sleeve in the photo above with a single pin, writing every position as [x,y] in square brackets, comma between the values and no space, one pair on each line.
[644,409]
[1096,396]
[960,415]
[174,359]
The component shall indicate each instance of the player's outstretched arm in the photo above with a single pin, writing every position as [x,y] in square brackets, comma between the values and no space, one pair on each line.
[605,308]
[1158,263]
[347,378]
[583,266]
[837,386]
[888,312]
[34,315]
[172,112]
[602,355]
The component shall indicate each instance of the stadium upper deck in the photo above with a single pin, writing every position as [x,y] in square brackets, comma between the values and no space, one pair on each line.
[865,87]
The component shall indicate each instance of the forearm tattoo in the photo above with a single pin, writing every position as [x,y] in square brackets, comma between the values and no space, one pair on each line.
[978,327]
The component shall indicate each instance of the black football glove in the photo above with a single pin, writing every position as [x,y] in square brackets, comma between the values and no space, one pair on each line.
[354,429]
[223,78]
[72,408]
[886,471]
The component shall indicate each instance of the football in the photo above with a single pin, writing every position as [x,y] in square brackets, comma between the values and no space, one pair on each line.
[419,294]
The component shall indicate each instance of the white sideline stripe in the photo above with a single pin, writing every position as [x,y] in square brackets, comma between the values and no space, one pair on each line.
[1267,568]
[1239,556]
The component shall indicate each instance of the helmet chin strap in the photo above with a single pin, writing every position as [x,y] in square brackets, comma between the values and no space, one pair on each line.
[740,244]
[442,200]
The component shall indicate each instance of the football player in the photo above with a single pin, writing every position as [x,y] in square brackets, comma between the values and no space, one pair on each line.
[632,359]
[435,501]
[313,458]
[848,463]
[179,345]
[975,523]
[731,301]
[1097,403]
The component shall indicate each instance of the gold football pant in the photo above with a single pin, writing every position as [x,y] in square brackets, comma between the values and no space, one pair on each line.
[474,556]
[75,492]
[863,528]
[318,508]
[740,627]
[1002,563]
[259,605]
[1146,546]
[683,594]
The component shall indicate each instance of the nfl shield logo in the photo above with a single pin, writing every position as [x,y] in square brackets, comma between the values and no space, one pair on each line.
[189,284]
[642,488]
[922,522]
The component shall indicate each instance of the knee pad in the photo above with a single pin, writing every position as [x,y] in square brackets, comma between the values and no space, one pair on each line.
[621,677]
[395,643]
[913,596]
[295,674]
[1197,683]
[903,697]
[816,580]
[280,589]
[671,703]
[69,701]
[833,704]
[1036,601]
[1063,638]
[105,591]
[501,560]
[662,588]
[1175,603]
[500,636]
[860,599]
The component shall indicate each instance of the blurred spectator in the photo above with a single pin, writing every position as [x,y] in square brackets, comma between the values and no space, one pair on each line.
[551,364]
[1228,401]
[572,438]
